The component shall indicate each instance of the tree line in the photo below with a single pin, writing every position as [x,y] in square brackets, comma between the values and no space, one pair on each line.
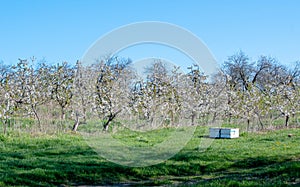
[257,93]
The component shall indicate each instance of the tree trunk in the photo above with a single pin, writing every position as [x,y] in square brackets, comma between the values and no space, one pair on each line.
[110,118]
[76,124]
[106,124]
[248,124]
[229,119]
[260,122]
[214,117]
[63,114]
[172,119]
[37,117]
[287,117]
[193,117]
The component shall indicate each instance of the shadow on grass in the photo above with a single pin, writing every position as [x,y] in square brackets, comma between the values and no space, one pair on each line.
[56,163]
[69,161]
[262,171]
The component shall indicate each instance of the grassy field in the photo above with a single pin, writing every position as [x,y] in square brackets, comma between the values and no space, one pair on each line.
[269,158]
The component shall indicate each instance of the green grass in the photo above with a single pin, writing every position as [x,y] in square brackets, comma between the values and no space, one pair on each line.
[268,158]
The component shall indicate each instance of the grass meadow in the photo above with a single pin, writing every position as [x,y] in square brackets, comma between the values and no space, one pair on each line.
[266,158]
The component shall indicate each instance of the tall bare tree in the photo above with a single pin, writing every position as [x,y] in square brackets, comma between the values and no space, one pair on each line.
[111,88]
[83,91]
[62,77]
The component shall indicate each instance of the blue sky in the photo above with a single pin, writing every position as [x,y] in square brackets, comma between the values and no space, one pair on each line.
[63,30]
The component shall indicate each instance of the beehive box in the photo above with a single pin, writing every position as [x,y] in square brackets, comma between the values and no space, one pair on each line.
[223,133]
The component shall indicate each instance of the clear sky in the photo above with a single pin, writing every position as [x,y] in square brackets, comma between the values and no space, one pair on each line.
[62,30]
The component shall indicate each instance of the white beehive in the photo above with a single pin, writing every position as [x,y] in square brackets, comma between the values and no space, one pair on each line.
[223,133]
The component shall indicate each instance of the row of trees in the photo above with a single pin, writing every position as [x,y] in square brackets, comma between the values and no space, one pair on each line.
[264,89]
[255,92]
